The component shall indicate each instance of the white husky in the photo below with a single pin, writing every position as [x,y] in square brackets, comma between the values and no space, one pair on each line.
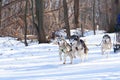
[66,49]
[106,44]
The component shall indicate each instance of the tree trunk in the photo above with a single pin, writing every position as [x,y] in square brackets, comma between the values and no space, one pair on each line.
[76,13]
[0,11]
[25,20]
[40,19]
[66,18]
[99,12]
[107,16]
[82,30]
[33,18]
[94,17]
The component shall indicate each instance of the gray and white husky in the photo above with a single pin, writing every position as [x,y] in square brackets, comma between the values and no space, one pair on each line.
[66,49]
[106,44]
[79,47]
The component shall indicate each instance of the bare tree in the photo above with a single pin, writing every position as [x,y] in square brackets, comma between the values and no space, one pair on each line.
[76,13]
[40,19]
[66,18]
[43,19]
[0,11]
[106,15]
[25,20]
[94,16]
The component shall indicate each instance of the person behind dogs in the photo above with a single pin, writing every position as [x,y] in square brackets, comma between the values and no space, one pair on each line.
[79,47]
[106,44]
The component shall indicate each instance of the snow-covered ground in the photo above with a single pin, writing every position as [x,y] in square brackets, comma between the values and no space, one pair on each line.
[41,62]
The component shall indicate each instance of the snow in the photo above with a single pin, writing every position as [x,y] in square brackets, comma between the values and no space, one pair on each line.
[41,62]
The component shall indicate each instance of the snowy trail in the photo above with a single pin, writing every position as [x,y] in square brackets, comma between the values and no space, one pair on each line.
[41,62]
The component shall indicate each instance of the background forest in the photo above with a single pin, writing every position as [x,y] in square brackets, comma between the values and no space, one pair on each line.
[40,18]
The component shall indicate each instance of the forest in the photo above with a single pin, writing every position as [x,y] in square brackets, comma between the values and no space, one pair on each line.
[40,18]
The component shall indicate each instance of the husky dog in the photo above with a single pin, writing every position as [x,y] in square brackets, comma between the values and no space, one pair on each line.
[106,44]
[79,47]
[65,48]
[72,39]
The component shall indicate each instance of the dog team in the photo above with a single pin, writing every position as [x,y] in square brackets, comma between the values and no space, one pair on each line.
[77,47]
